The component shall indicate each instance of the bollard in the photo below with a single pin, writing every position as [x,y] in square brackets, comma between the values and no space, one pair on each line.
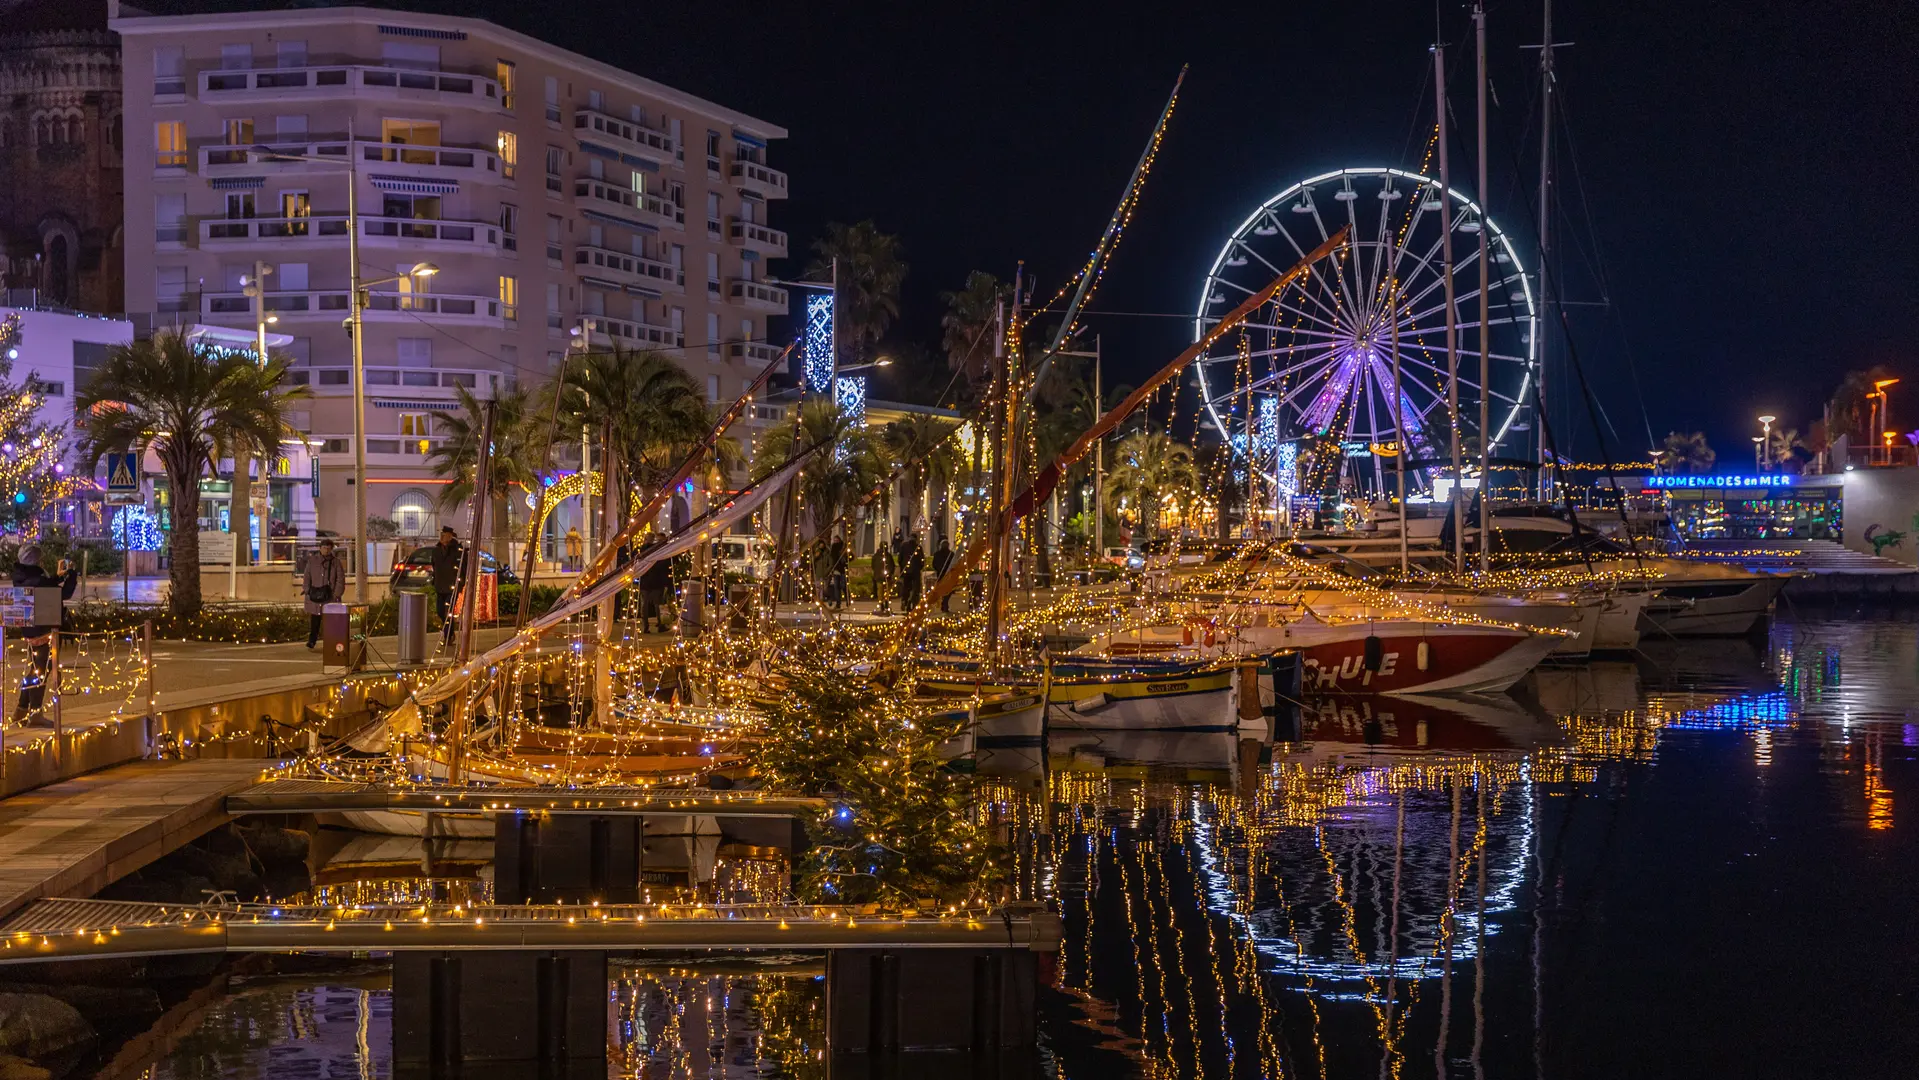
[412,612]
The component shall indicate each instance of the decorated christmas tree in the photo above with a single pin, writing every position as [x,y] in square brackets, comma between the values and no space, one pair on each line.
[31,474]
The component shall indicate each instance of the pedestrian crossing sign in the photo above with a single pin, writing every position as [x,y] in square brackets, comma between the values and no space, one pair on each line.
[123,472]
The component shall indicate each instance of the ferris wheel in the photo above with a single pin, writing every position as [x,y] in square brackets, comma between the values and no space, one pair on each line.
[1317,360]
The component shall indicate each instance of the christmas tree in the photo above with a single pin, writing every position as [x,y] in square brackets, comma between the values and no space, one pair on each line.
[31,474]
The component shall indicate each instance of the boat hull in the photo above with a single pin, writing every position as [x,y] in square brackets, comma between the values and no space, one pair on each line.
[1711,609]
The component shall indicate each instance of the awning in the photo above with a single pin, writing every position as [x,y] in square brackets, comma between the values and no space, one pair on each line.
[640,163]
[641,290]
[236,183]
[749,193]
[600,283]
[624,223]
[749,139]
[599,151]
[388,403]
[407,185]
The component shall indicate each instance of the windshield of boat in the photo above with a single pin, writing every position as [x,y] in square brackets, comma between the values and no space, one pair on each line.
[1335,561]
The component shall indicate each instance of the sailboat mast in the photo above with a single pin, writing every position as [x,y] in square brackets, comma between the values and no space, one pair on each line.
[1545,223]
[996,501]
[1402,444]
[1485,316]
[1452,311]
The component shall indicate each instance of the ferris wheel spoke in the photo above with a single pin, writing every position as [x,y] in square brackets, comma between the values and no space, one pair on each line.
[1330,324]
[1317,277]
[1474,353]
[1439,283]
[1323,299]
[1302,331]
[1337,270]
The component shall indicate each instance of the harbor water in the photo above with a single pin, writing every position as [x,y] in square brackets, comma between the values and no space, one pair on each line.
[1697,861]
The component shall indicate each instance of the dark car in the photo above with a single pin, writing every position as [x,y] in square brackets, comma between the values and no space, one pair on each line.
[416,570]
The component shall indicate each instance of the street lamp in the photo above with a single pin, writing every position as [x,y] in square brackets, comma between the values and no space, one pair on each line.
[884,361]
[1879,391]
[1758,441]
[1766,442]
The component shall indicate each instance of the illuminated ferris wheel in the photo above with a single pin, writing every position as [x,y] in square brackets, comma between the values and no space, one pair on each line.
[1317,361]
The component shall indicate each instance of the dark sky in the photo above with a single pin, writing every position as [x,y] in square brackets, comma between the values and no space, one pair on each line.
[1749,169]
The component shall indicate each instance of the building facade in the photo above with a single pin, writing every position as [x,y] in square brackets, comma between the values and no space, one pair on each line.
[557,199]
[61,132]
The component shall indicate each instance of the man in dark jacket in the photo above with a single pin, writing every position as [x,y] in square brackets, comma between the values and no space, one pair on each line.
[446,569]
[29,574]
[655,582]
[942,562]
[882,565]
[836,574]
[912,569]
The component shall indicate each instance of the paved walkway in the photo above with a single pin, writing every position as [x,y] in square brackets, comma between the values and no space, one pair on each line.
[76,837]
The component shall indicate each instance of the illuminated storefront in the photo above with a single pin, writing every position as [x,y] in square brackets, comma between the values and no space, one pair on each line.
[1770,506]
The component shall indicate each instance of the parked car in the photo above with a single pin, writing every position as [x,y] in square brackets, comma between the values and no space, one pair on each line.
[743,555]
[1122,556]
[416,570]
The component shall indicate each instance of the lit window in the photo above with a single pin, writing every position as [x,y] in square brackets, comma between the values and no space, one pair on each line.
[509,297]
[170,144]
[508,147]
[504,73]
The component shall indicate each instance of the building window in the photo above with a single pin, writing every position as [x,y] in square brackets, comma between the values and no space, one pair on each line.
[712,151]
[170,144]
[45,388]
[553,317]
[712,388]
[170,288]
[508,147]
[555,161]
[673,130]
[509,297]
[554,252]
[170,219]
[296,204]
[239,132]
[713,272]
[290,54]
[236,57]
[169,71]
[414,352]
[596,168]
[509,227]
[412,510]
[712,335]
[239,205]
[290,129]
[552,100]
[506,73]
[596,101]
[638,115]
[639,182]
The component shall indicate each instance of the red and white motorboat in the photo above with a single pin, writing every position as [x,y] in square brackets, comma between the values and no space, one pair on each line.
[1384,655]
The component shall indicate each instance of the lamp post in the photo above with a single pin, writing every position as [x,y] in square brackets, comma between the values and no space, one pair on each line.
[356,307]
[1885,409]
[1758,441]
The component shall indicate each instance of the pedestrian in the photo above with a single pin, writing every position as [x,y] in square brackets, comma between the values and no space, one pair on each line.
[322,582]
[575,549]
[836,573]
[912,565]
[942,562]
[655,582]
[447,560]
[29,574]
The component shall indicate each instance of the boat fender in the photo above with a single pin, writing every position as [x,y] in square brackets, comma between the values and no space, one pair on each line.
[1375,652]
[1425,656]
[1086,705]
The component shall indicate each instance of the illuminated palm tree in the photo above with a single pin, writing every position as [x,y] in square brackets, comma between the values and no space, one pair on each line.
[847,463]
[1146,467]
[1685,454]
[924,446]
[520,433]
[191,404]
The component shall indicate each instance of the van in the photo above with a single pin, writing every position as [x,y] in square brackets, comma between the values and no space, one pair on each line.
[747,556]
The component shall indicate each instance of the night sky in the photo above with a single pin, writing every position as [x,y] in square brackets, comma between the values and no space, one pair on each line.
[1735,229]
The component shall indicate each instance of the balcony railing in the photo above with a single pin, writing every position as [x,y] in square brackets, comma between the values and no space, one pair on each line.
[633,268]
[754,352]
[444,383]
[406,159]
[634,335]
[381,306]
[759,296]
[429,234]
[756,177]
[756,237]
[330,80]
[645,208]
[654,146]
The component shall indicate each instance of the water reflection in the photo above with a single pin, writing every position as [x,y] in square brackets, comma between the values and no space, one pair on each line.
[1593,876]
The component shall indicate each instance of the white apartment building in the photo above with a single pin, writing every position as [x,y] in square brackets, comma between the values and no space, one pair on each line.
[549,190]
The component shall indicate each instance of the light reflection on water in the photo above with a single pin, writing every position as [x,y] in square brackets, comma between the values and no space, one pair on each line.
[1614,872]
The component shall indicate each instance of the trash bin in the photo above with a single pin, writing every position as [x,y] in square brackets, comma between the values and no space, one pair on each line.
[412,627]
[343,636]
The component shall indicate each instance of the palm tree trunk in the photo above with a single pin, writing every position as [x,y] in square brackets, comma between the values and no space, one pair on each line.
[183,555]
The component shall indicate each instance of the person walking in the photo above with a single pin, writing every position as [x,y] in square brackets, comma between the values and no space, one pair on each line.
[447,560]
[882,563]
[322,582]
[655,583]
[912,565]
[836,573]
[575,549]
[942,562]
[29,574]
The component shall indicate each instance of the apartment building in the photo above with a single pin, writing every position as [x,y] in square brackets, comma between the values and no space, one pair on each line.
[556,199]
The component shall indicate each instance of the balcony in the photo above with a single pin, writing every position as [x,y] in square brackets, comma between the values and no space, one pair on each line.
[414,234]
[758,296]
[350,80]
[331,305]
[431,384]
[631,208]
[623,137]
[758,353]
[451,163]
[754,237]
[634,335]
[629,269]
[755,177]
[220,159]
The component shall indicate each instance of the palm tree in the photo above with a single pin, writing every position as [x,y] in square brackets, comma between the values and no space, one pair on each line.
[520,434]
[870,271]
[1787,447]
[1683,453]
[924,445]
[1854,405]
[966,330]
[848,463]
[191,405]
[650,407]
[1145,467]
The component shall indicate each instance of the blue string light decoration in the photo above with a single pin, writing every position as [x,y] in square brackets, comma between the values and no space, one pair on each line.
[136,530]
[819,343]
[850,396]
